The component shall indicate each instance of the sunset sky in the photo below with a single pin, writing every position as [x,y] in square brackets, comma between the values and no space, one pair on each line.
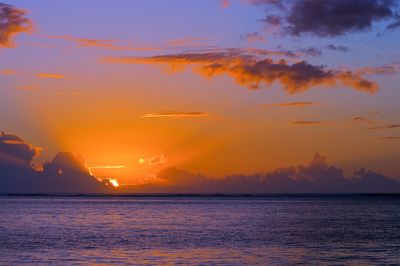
[212,87]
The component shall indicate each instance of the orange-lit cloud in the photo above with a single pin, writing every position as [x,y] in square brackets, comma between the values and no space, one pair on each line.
[294,104]
[7,72]
[225,3]
[176,114]
[254,73]
[307,123]
[101,43]
[12,22]
[153,160]
[28,87]
[253,37]
[50,76]
[386,127]
[187,41]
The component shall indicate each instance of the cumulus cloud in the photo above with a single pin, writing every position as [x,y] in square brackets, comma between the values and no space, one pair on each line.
[175,114]
[15,151]
[249,70]
[12,22]
[315,177]
[330,18]
[66,173]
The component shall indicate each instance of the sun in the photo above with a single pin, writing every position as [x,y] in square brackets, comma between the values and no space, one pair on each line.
[114,182]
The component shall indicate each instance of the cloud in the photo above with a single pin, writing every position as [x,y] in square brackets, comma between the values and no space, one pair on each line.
[311,51]
[12,22]
[249,70]
[253,37]
[392,126]
[153,160]
[225,3]
[315,177]
[294,104]
[100,43]
[306,123]
[391,138]
[362,119]
[330,18]
[175,115]
[387,69]
[50,76]
[340,48]
[66,173]
[15,151]
[186,41]
[7,72]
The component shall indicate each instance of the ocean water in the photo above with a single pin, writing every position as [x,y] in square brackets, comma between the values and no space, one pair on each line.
[200,230]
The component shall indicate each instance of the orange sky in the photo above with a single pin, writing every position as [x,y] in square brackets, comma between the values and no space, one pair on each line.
[134,95]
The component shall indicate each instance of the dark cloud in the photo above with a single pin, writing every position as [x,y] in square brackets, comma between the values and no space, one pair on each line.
[311,51]
[340,48]
[12,22]
[66,173]
[315,177]
[331,18]
[249,70]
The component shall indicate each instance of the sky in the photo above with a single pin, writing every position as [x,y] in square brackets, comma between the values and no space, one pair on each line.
[216,88]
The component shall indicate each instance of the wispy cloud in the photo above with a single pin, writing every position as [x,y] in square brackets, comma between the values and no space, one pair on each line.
[50,76]
[294,104]
[362,119]
[7,72]
[392,126]
[391,138]
[253,37]
[175,115]
[306,123]
[101,43]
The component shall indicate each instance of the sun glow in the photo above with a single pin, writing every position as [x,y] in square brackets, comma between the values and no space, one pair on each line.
[107,167]
[114,182]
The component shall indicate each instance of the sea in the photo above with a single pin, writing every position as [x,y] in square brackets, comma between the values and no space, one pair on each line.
[200,229]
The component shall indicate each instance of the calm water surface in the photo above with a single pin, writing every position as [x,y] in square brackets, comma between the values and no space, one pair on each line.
[264,230]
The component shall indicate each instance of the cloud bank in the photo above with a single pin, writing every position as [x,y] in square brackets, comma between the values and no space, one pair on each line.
[315,177]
